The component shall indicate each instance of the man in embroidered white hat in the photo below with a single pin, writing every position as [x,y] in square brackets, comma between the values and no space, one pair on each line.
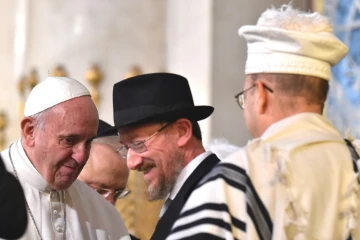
[60,121]
[295,179]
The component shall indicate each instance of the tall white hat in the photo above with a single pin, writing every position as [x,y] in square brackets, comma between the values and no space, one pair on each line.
[277,50]
[52,91]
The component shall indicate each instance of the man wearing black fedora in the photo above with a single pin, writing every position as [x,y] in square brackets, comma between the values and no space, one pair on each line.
[160,136]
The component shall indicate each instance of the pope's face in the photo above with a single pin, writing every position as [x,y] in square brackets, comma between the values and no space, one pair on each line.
[62,146]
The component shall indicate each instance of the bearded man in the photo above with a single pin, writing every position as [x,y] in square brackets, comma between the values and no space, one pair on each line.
[160,136]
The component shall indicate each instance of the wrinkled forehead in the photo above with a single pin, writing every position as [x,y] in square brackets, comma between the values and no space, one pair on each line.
[77,107]
[106,176]
[112,177]
[104,165]
[78,115]
[107,181]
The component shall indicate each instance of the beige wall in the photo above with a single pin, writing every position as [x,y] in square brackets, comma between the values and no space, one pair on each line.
[203,44]
[8,91]
[195,38]
[228,61]
[76,34]
[188,49]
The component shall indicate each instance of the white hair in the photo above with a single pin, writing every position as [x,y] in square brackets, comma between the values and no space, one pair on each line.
[288,18]
[221,147]
[40,118]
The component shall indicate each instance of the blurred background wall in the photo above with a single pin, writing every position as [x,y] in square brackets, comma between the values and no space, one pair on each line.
[197,39]
[101,42]
[38,36]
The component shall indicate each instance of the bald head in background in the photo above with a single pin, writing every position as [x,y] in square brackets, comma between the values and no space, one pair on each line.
[106,171]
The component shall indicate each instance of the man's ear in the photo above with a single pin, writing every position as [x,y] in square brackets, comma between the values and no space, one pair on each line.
[184,129]
[28,131]
[262,98]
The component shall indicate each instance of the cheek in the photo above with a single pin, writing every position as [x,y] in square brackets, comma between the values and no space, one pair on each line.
[161,157]
[165,162]
[60,157]
[250,120]
[247,116]
[160,161]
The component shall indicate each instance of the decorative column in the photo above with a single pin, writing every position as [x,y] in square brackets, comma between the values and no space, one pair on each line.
[32,79]
[94,76]
[21,85]
[134,71]
[24,86]
[135,183]
[59,71]
[3,125]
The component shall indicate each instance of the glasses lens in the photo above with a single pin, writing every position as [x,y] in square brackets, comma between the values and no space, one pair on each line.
[241,101]
[121,193]
[103,192]
[122,151]
[138,147]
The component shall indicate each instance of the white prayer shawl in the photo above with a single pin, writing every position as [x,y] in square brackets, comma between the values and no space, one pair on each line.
[88,215]
[296,181]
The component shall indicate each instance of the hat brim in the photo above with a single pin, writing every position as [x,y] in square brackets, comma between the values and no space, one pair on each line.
[111,131]
[194,113]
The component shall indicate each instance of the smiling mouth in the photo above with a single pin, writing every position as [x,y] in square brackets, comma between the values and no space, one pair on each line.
[146,168]
[147,171]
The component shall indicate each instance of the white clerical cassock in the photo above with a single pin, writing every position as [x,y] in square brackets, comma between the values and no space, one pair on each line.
[88,215]
[78,212]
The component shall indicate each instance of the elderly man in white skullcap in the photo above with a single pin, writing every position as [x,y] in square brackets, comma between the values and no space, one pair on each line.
[60,121]
[296,178]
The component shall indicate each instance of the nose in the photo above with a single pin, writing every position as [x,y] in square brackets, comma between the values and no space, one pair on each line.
[81,153]
[134,160]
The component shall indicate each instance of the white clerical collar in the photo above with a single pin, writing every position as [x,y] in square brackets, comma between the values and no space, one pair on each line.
[25,170]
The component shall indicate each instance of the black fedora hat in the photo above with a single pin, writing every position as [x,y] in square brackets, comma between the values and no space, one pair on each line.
[105,130]
[155,97]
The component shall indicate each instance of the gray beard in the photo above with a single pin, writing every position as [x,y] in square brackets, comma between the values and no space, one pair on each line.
[166,183]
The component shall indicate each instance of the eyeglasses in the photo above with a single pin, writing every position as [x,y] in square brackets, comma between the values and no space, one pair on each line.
[138,146]
[240,97]
[116,195]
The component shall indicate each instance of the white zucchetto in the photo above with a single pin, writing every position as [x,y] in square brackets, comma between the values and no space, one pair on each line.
[52,91]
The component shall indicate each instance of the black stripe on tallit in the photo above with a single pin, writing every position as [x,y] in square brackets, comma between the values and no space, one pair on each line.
[215,207]
[237,178]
